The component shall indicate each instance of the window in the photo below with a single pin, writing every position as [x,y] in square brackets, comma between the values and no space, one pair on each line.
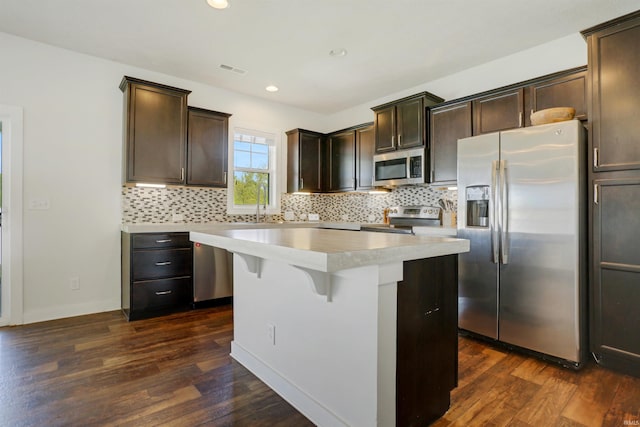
[253,162]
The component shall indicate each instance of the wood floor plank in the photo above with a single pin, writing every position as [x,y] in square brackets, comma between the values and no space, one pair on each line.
[593,398]
[176,371]
[548,402]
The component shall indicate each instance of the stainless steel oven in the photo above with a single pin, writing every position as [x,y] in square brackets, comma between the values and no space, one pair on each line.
[404,218]
[399,168]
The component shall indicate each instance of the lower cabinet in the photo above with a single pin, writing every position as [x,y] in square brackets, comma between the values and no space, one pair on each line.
[157,270]
[427,338]
[615,287]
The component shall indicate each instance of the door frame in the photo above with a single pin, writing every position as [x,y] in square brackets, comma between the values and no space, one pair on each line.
[12,213]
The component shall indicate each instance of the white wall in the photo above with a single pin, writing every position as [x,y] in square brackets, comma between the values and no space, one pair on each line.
[72,157]
[72,153]
[561,54]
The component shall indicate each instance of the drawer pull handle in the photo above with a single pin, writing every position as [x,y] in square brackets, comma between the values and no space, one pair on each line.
[163,241]
[163,263]
[163,292]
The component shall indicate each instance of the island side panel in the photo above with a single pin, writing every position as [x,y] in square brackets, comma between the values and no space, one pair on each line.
[427,367]
[325,358]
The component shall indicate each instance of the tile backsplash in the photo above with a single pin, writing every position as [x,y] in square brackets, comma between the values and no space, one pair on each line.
[200,205]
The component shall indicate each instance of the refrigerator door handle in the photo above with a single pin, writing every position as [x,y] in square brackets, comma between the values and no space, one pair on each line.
[493,212]
[504,213]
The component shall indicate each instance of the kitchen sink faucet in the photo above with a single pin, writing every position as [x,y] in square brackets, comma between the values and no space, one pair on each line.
[262,188]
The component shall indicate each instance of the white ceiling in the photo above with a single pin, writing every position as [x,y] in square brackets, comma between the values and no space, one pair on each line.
[392,45]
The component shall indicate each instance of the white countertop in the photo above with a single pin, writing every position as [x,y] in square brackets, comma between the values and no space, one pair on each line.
[187,227]
[329,250]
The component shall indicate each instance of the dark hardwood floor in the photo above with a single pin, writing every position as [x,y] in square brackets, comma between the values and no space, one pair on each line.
[176,371]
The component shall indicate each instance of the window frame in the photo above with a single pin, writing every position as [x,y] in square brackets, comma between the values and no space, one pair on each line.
[275,171]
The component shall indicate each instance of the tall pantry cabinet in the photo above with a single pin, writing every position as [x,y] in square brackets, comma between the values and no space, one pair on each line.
[614,137]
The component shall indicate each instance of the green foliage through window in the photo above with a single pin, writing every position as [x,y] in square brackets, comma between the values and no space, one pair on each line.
[251,168]
[245,188]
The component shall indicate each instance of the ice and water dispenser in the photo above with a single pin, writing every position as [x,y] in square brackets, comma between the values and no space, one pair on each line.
[477,197]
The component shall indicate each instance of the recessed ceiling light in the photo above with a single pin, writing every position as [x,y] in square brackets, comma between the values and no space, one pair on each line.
[272,88]
[338,52]
[218,4]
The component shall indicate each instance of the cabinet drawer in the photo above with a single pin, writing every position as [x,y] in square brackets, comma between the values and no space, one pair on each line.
[160,240]
[161,263]
[159,294]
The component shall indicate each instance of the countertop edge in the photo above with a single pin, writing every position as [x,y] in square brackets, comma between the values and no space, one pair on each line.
[425,247]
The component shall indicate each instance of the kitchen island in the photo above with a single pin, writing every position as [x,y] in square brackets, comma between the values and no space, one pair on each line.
[350,327]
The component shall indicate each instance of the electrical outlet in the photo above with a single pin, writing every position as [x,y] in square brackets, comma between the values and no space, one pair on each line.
[271,333]
[74,283]
[289,216]
[39,204]
[177,217]
[314,217]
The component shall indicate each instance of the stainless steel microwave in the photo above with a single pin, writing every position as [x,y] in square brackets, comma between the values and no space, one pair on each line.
[399,168]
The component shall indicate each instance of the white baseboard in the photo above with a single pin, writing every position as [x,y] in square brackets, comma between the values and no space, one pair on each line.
[307,405]
[71,310]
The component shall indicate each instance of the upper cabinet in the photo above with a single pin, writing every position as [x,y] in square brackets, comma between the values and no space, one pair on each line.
[499,111]
[341,161]
[349,159]
[569,90]
[207,148]
[365,149]
[614,60]
[511,108]
[304,161]
[166,142]
[447,125]
[401,124]
[155,132]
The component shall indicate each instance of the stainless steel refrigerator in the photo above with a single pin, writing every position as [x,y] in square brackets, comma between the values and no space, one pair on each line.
[521,202]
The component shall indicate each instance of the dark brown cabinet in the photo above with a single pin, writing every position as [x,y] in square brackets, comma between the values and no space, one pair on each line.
[365,149]
[157,270]
[401,124]
[155,132]
[385,125]
[427,341]
[304,161]
[569,90]
[341,161]
[499,111]
[348,162]
[614,61]
[615,273]
[207,144]
[448,124]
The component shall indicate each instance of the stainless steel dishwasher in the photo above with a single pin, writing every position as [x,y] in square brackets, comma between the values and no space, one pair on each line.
[212,275]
